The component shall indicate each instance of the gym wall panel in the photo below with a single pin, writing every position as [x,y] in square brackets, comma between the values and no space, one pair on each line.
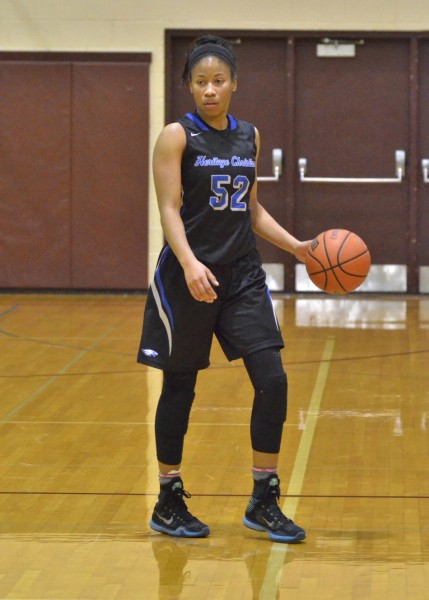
[110,175]
[74,135]
[34,174]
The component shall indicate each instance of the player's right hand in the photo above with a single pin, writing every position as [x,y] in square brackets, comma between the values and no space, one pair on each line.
[200,281]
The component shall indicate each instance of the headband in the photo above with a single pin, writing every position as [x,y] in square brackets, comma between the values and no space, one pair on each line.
[216,49]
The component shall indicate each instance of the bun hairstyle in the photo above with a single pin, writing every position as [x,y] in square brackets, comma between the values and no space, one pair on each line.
[209,45]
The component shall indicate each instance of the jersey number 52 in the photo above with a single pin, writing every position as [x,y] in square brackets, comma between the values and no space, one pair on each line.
[222,199]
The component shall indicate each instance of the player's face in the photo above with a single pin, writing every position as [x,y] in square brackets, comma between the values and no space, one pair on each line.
[212,86]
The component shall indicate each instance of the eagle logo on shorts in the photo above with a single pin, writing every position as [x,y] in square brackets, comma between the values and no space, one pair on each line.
[149,352]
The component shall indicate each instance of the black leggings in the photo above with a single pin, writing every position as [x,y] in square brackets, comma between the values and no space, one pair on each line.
[172,415]
[268,378]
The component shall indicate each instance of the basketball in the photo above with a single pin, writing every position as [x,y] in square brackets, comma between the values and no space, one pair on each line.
[338,261]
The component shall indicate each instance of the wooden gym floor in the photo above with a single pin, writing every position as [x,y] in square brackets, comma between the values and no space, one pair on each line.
[78,477]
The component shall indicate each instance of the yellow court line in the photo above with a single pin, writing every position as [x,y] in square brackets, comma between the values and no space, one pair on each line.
[278,552]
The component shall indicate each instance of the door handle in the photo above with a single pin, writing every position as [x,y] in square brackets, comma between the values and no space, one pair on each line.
[425,169]
[277,166]
[400,173]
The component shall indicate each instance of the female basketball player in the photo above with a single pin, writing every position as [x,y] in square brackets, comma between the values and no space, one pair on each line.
[209,280]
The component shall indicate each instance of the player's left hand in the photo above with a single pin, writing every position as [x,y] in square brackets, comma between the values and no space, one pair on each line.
[301,249]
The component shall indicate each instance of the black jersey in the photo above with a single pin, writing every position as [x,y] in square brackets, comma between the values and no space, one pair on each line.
[218,172]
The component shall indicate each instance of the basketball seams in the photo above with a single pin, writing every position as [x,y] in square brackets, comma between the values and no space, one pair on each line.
[329,262]
[326,249]
[322,269]
[316,260]
[350,260]
[340,262]
[341,246]
[338,265]
[336,277]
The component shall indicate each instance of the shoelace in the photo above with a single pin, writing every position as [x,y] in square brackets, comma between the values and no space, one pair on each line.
[277,514]
[179,505]
[180,492]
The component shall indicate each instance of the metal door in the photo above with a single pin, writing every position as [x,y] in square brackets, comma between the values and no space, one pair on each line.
[352,127]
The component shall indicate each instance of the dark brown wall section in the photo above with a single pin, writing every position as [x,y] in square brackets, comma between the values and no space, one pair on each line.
[74,171]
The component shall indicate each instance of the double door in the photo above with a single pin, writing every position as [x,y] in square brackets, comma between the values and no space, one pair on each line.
[73,170]
[348,114]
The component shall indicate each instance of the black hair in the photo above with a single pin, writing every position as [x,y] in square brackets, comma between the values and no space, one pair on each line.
[209,45]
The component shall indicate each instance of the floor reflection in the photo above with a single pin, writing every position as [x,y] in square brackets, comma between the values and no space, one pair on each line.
[351,313]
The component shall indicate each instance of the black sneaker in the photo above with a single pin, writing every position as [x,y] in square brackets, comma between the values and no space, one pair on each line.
[263,513]
[171,514]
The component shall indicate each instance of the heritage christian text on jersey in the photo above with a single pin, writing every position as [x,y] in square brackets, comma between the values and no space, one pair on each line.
[236,161]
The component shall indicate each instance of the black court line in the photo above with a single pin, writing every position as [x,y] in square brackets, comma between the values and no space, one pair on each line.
[144,495]
[9,310]
[287,364]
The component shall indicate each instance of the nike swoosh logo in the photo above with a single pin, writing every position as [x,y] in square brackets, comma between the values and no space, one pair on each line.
[166,521]
[194,134]
[268,522]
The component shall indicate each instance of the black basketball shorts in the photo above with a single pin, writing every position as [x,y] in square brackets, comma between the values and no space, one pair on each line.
[178,330]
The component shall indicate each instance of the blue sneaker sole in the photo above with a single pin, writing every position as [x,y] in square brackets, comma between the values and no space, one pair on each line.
[180,531]
[287,539]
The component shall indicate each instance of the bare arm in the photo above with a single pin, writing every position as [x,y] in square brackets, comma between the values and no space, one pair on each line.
[167,159]
[266,227]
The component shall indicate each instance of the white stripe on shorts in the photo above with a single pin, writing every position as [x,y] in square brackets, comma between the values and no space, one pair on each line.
[274,310]
[162,315]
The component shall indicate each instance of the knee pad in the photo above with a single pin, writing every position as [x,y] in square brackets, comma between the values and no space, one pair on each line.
[269,381]
[269,414]
[175,402]
[270,403]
